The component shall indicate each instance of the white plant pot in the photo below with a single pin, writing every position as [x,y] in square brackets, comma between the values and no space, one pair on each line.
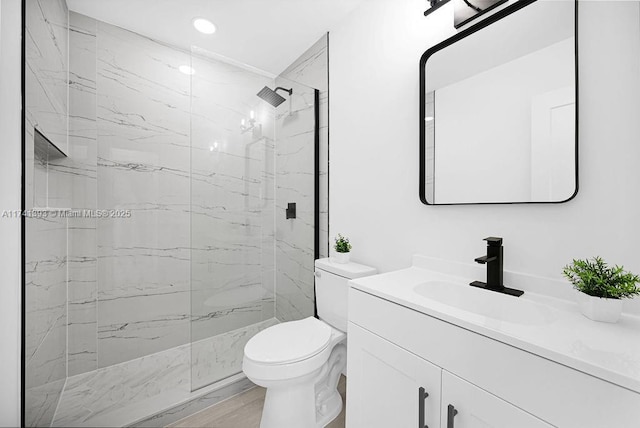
[342,257]
[600,309]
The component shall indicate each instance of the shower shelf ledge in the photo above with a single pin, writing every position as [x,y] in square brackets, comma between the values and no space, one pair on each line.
[45,149]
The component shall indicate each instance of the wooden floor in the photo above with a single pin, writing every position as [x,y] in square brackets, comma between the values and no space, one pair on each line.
[244,411]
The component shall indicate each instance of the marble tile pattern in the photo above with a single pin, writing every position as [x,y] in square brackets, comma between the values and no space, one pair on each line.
[195,405]
[143,166]
[218,357]
[150,389]
[129,108]
[46,74]
[42,402]
[47,67]
[312,69]
[82,296]
[120,394]
[295,141]
[231,200]
[82,272]
[46,70]
[82,111]
[46,317]
[200,194]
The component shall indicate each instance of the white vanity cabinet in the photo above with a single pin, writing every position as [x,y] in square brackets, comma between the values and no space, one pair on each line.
[395,350]
[390,387]
[466,406]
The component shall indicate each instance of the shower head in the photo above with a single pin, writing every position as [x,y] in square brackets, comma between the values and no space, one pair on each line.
[272,97]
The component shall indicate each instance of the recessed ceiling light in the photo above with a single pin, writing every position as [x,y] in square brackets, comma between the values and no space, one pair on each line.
[204,26]
[186,70]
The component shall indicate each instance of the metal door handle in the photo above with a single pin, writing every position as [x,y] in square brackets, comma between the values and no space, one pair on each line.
[451,413]
[422,396]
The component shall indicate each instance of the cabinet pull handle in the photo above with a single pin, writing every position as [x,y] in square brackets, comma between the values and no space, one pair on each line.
[422,396]
[451,413]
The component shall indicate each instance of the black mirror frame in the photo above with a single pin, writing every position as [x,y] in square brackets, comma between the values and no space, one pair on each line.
[457,37]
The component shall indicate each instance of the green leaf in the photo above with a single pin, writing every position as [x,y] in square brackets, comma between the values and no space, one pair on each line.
[595,278]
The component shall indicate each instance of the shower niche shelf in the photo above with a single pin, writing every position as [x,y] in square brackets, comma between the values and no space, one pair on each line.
[45,149]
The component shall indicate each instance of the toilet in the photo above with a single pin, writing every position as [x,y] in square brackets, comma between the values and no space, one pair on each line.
[300,362]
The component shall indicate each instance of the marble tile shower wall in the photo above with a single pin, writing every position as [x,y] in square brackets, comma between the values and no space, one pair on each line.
[82,288]
[295,133]
[232,201]
[46,75]
[130,109]
[312,69]
[143,167]
[104,291]
[46,326]
[294,180]
[46,186]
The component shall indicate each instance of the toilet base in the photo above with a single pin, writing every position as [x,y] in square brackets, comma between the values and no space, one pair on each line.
[329,411]
[299,408]
[310,401]
[289,407]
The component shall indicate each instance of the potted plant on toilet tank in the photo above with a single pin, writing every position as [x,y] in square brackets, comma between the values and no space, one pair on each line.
[343,248]
[601,287]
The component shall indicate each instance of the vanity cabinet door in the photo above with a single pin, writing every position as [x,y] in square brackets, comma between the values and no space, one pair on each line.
[388,386]
[464,405]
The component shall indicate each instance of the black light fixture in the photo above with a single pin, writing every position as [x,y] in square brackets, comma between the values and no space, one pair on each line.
[465,10]
[435,5]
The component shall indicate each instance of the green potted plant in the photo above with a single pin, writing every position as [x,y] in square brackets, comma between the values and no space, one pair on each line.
[343,248]
[601,287]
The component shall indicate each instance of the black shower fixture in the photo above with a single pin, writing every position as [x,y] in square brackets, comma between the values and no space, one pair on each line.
[272,97]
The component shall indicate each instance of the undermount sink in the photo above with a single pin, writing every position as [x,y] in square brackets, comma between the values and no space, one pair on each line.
[487,303]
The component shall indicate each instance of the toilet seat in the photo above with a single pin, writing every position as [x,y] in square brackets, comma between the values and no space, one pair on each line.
[273,355]
[289,342]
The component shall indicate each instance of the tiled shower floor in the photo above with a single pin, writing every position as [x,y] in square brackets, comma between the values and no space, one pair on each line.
[132,391]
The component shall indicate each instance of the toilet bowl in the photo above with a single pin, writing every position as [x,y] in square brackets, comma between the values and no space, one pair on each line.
[300,362]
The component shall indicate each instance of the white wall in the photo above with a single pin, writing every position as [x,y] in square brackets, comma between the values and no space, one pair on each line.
[10,161]
[374,148]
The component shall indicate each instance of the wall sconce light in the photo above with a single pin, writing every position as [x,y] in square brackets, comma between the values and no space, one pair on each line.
[435,5]
[465,10]
[251,124]
[248,125]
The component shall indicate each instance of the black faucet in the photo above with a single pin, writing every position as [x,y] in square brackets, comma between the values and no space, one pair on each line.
[493,260]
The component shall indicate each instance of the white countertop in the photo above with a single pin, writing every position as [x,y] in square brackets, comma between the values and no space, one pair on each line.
[608,351]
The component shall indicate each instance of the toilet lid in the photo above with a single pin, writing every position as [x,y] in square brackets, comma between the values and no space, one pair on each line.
[289,342]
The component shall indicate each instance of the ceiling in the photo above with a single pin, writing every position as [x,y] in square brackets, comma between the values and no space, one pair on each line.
[266,34]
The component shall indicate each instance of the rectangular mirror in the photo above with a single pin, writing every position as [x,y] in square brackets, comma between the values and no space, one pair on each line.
[498,109]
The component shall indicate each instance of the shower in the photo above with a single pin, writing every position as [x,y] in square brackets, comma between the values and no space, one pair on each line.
[130,318]
[272,97]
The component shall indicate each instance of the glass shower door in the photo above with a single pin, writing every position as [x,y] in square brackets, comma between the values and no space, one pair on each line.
[251,266]
[295,183]
[231,216]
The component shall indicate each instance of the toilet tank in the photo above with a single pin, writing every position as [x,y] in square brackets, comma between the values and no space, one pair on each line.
[332,289]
